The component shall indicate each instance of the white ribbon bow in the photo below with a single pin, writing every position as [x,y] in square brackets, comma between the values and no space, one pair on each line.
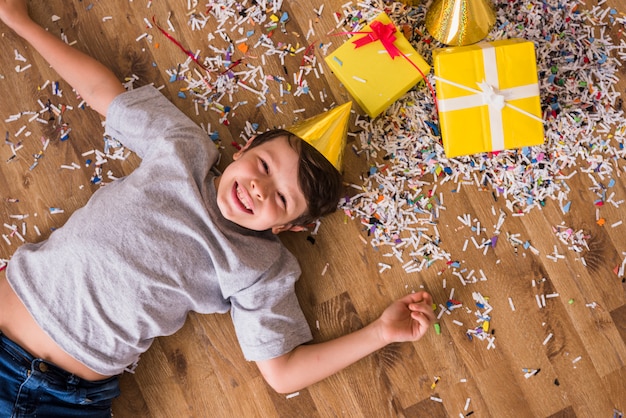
[490,95]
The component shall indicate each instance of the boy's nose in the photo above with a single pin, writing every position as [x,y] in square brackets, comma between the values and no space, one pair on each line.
[260,189]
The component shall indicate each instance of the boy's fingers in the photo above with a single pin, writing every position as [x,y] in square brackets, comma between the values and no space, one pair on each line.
[420,309]
[425,297]
[422,306]
[417,298]
[423,321]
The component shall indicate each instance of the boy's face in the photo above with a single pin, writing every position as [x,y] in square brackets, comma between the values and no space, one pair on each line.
[259,190]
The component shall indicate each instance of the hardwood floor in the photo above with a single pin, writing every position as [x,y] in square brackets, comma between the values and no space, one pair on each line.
[558,299]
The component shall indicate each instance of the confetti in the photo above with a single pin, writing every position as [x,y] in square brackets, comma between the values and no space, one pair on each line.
[578,75]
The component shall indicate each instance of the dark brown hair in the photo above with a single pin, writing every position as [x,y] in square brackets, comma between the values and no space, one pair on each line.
[318,179]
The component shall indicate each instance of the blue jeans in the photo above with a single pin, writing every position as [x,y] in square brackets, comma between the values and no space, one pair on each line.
[32,387]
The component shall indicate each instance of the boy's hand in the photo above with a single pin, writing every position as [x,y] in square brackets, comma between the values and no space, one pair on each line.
[14,13]
[91,79]
[408,318]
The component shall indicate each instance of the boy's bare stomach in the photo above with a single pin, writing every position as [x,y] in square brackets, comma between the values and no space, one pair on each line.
[18,325]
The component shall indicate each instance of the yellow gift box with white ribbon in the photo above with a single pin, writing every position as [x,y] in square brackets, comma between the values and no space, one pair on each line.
[377,66]
[488,97]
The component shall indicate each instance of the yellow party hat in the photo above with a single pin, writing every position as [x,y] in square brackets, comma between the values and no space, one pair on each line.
[327,132]
[460,22]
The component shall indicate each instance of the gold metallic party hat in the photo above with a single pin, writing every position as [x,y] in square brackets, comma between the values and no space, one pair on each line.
[327,132]
[460,22]
[411,2]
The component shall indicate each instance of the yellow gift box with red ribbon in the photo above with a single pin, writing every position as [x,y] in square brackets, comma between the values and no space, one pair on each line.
[377,66]
[488,97]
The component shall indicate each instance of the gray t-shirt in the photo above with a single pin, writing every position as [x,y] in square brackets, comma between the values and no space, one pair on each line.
[150,247]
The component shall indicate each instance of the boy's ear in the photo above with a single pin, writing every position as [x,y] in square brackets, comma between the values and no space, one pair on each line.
[288,227]
[243,149]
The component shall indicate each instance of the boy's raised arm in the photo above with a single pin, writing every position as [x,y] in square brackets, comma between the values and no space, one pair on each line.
[91,79]
[407,319]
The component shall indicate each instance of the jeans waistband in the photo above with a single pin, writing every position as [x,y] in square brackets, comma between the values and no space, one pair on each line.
[47,370]
[19,354]
[35,387]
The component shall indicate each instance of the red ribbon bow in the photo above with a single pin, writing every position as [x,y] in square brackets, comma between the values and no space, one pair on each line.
[384,34]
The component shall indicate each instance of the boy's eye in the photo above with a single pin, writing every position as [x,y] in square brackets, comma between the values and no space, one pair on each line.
[282,199]
[266,168]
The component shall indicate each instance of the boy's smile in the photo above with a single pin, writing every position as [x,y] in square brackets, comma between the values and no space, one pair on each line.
[259,190]
[244,198]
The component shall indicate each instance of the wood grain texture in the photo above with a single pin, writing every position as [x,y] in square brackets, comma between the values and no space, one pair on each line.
[200,371]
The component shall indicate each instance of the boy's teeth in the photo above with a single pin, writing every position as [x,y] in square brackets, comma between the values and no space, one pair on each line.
[241,199]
